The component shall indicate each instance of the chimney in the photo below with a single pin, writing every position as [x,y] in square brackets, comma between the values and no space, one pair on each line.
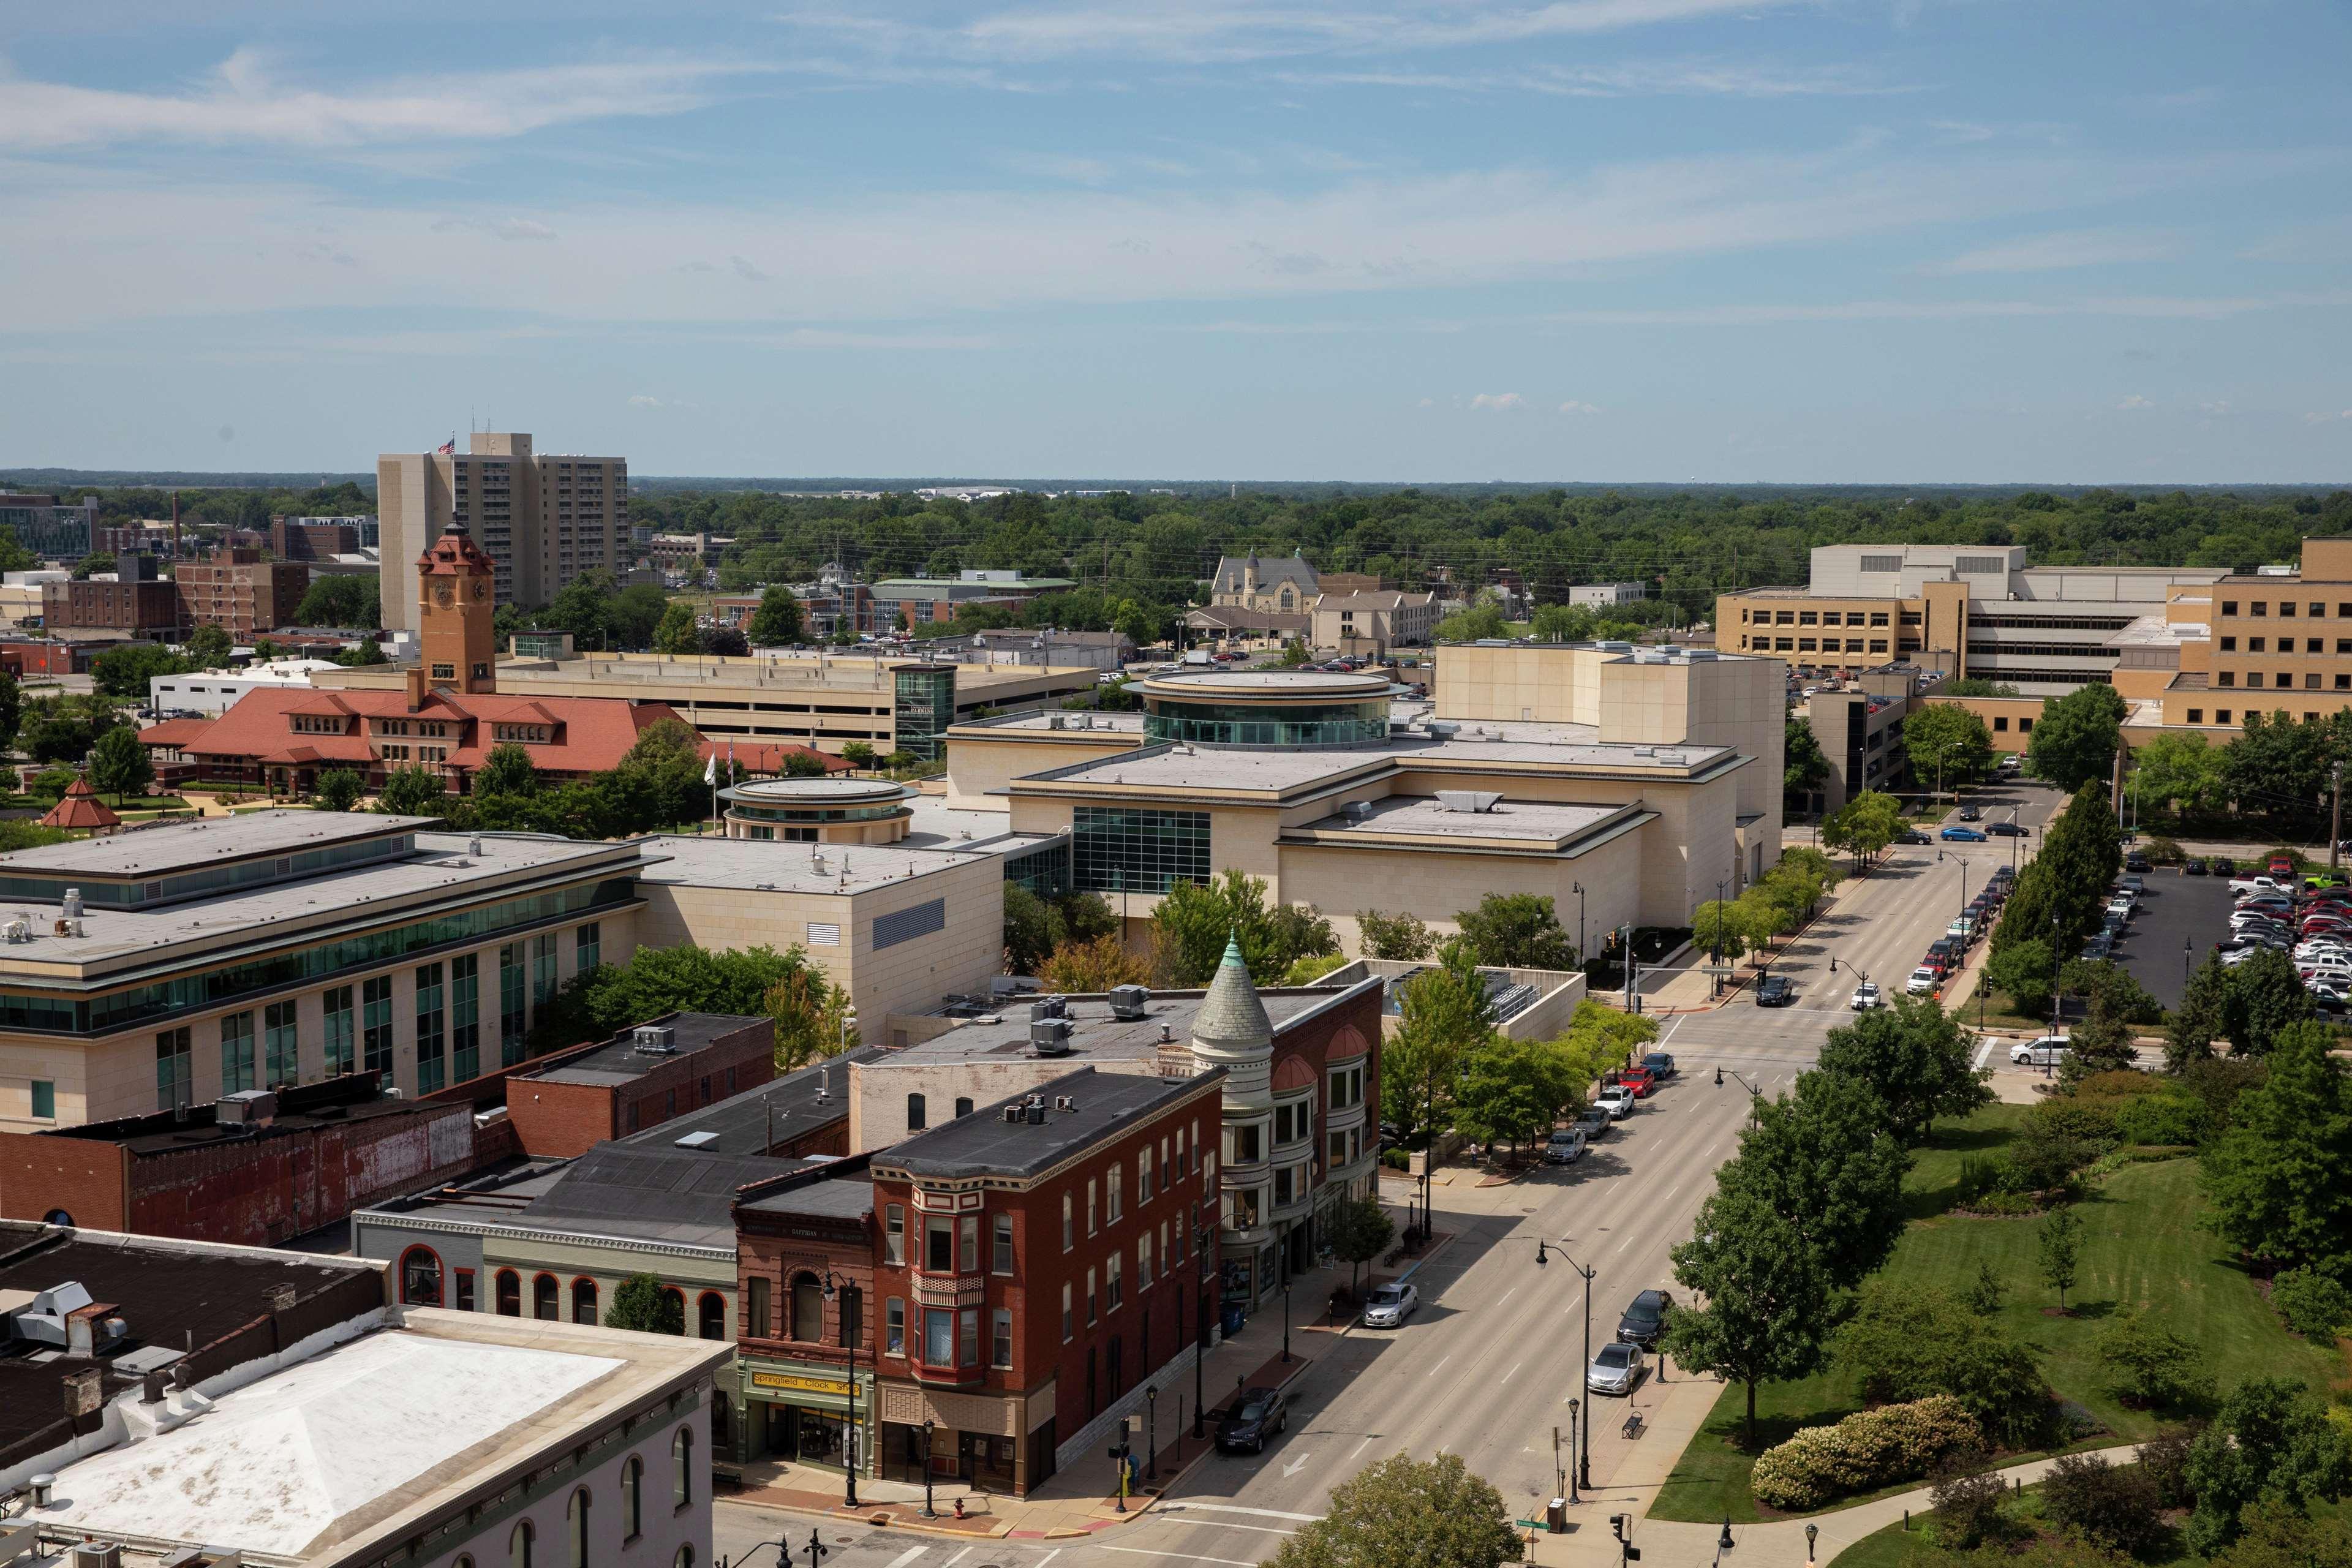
[83,1391]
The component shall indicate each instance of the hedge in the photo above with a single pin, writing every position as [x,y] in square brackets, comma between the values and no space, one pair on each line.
[1862,1453]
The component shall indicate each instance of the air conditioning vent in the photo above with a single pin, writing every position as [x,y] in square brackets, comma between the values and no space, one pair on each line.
[654,1040]
[1128,1001]
[1050,1036]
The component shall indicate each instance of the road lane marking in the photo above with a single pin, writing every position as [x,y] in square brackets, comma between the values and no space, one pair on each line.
[1049,1557]
[1984,1053]
[1189,1507]
[908,1556]
[1514,1372]
[1672,1191]
[1253,1529]
[1361,1448]
[1296,1464]
[1441,1361]
[1507,1295]
[1142,1551]
[959,1557]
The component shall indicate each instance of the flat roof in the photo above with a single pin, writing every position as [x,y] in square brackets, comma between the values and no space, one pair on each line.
[618,1061]
[790,1107]
[187,845]
[1102,1105]
[933,824]
[1509,820]
[647,1193]
[443,864]
[846,1197]
[774,866]
[1262,683]
[1094,1033]
[1247,769]
[333,1102]
[1058,723]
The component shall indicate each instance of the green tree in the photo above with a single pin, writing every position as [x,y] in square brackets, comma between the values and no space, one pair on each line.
[1905,1342]
[12,696]
[1826,1160]
[2189,1032]
[124,671]
[640,1303]
[1947,744]
[1358,1231]
[1718,927]
[1516,930]
[857,753]
[726,642]
[338,789]
[354,600]
[1803,767]
[2270,1444]
[611,997]
[1864,826]
[2060,1244]
[1976,686]
[1443,1019]
[119,764]
[2148,1363]
[412,790]
[1429,1513]
[2074,740]
[678,634]
[1768,1299]
[90,566]
[2178,771]
[2283,1539]
[362,653]
[2279,1180]
[2023,969]
[1479,622]
[813,1018]
[1912,1055]
[2062,891]
[777,621]
[209,647]
[1193,920]
[1295,653]
[1400,937]
[64,729]
[2263,998]
[1510,1092]
[507,771]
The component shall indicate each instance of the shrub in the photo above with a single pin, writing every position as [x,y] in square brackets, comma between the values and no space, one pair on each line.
[2086,1121]
[2120,1084]
[2009,1203]
[2164,1459]
[2148,1363]
[2114,1506]
[2314,1304]
[1396,1159]
[1909,1343]
[2157,1119]
[1968,1498]
[1865,1451]
[2164,851]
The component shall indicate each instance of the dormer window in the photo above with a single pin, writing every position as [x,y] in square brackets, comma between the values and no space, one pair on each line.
[317,724]
[526,734]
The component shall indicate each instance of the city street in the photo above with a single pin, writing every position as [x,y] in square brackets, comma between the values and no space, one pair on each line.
[1486,1368]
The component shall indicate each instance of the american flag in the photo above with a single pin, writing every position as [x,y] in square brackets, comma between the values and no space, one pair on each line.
[448,447]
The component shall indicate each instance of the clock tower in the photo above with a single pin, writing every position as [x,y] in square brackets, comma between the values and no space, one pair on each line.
[455,604]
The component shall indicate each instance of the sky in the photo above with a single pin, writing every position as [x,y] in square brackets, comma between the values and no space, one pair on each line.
[1802,241]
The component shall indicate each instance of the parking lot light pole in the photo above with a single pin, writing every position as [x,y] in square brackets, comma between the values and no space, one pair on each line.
[1585,1446]
[1574,1405]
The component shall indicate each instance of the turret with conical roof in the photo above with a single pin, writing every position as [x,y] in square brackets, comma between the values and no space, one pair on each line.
[1231,1031]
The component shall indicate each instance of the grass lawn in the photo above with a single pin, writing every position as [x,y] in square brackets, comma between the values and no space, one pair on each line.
[2140,1247]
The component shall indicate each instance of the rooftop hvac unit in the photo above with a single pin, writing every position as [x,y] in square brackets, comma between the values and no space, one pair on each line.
[98,1554]
[1064,1102]
[1358,810]
[1053,721]
[1014,1113]
[245,1107]
[654,1040]
[1128,1001]
[1050,1036]
[73,903]
[1439,730]
[1611,646]
[1049,1008]
[1467,800]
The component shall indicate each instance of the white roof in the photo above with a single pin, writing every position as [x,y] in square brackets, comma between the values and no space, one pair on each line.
[276,1465]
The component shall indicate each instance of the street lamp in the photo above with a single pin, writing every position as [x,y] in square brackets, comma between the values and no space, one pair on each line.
[1724,1543]
[1720,882]
[1574,1405]
[928,1512]
[1755,1097]
[838,1291]
[1151,1431]
[1812,1532]
[1584,1447]
[1285,1310]
[1578,889]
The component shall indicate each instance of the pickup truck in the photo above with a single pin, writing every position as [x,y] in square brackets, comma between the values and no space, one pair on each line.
[2259,884]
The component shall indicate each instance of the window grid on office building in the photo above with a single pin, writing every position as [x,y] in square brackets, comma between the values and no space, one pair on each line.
[280,1053]
[432,1040]
[375,1025]
[512,1024]
[465,1016]
[341,1034]
[1116,850]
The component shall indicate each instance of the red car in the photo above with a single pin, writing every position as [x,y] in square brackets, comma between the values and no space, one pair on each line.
[1639,1080]
[2281,865]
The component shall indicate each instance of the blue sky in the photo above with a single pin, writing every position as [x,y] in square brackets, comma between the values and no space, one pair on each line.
[1851,240]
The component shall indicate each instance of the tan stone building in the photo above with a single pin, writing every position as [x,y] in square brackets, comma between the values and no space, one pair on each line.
[1286,585]
[543,520]
[1373,622]
[2275,641]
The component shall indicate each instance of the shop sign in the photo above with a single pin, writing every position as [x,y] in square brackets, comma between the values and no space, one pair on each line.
[801,1384]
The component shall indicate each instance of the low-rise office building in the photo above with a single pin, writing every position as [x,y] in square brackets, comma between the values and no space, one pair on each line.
[919,601]
[51,528]
[213,692]
[644,1077]
[131,599]
[310,1423]
[1607,595]
[1373,622]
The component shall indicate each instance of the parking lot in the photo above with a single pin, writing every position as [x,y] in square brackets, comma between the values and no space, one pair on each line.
[2175,909]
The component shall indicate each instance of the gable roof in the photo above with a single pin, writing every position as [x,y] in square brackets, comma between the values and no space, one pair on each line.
[594,733]
[173,732]
[1273,571]
[768,756]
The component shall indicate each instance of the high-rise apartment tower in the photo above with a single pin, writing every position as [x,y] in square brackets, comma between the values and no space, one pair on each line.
[542,519]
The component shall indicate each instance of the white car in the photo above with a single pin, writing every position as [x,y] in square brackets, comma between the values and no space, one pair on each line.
[1390,1305]
[1615,1369]
[2237,956]
[2048,1051]
[1865,996]
[1923,981]
[1617,1100]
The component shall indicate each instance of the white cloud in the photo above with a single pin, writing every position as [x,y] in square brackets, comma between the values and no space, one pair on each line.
[2156,307]
[642,401]
[1498,400]
[2052,252]
[1573,406]
[2323,418]
[2135,401]
[2214,410]
[746,271]
[521,229]
[1739,79]
[244,101]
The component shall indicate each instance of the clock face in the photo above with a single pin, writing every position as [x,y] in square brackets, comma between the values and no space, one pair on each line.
[481,588]
[441,595]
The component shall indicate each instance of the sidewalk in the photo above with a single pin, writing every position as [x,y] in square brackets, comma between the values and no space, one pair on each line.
[1074,1501]
[1778,1545]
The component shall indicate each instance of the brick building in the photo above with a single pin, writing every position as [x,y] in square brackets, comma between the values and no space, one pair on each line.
[240,592]
[318,538]
[679,1063]
[136,601]
[255,1170]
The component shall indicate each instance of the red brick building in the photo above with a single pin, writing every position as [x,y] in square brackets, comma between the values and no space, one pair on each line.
[143,609]
[679,1063]
[240,592]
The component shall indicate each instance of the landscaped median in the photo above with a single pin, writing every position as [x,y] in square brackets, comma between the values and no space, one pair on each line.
[2140,1248]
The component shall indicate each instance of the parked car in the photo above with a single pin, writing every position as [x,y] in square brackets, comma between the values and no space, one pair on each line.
[2100,945]
[2220,865]
[1257,1413]
[1659,1063]
[1971,813]
[1963,836]
[2280,865]
[1774,991]
[1614,1370]
[1645,1320]
[1391,1304]
[1923,980]
[1865,996]
[2007,830]
[2135,861]
[1617,1100]
[1639,1080]
[1963,928]
[1565,1146]
[1911,835]
[2048,1051]
[2132,883]
[2193,867]
[1594,1124]
[2260,883]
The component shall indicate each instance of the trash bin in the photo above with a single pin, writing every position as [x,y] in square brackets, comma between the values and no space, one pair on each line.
[1556,1516]
[1232,1320]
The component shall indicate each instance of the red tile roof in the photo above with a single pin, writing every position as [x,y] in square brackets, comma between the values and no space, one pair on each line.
[767,757]
[81,807]
[592,733]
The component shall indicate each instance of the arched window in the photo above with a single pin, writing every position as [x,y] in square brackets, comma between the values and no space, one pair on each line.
[518,1546]
[510,1290]
[681,1467]
[575,1527]
[57,1216]
[684,1558]
[808,1310]
[543,1299]
[633,1494]
[677,1298]
[420,1277]
[714,1315]
[915,1115]
[583,1301]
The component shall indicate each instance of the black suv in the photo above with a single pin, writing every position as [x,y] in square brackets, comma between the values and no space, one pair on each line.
[1256,1415]
[1774,991]
[1645,1320]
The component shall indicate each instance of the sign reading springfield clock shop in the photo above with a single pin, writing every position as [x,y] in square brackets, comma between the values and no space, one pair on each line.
[834,1386]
